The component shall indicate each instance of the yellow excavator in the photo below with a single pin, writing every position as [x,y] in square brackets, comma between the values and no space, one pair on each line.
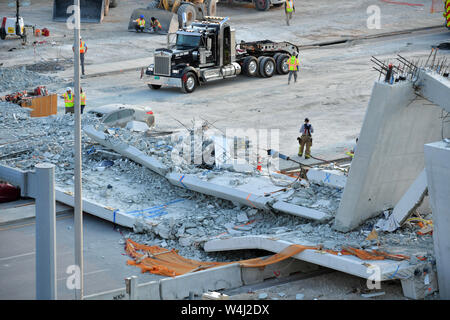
[92,11]
[174,14]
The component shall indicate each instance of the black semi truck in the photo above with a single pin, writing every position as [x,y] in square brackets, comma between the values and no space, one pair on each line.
[207,51]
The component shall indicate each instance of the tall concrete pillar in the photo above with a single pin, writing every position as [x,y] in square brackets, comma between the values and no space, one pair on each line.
[389,155]
[437,161]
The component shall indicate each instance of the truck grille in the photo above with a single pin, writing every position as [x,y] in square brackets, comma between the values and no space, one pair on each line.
[162,65]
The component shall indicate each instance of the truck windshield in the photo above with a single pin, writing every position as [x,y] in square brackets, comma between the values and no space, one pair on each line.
[190,41]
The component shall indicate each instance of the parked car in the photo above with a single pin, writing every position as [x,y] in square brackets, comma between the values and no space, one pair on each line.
[118,115]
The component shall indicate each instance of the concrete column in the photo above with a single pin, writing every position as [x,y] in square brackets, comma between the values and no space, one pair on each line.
[437,161]
[45,232]
[389,155]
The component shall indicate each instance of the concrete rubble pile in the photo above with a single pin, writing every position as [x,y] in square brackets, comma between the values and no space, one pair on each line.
[115,181]
[19,78]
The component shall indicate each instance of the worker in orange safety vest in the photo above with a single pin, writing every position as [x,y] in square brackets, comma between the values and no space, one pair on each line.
[83,50]
[156,25]
[289,8]
[293,67]
[140,23]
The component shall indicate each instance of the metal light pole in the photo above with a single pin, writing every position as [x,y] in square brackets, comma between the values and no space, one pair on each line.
[78,210]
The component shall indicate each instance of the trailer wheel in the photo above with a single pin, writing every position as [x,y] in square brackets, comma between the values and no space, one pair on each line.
[112,3]
[189,82]
[267,67]
[2,33]
[262,5]
[155,86]
[250,66]
[282,66]
[260,58]
[191,14]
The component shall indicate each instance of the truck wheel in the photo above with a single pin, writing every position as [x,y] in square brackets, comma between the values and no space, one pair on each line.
[106,8]
[259,64]
[191,14]
[112,3]
[153,5]
[262,5]
[188,82]
[211,9]
[267,67]
[282,66]
[155,86]
[250,66]
[3,33]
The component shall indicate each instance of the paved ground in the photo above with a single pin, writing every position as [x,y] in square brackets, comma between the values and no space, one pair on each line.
[104,259]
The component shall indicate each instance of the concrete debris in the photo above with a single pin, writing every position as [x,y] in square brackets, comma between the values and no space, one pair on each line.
[19,78]
[299,296]
[186,225]
[262,296]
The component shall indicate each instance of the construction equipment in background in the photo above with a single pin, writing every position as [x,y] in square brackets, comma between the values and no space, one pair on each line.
[91,11]
[14,26]
[260,5]
[168,12]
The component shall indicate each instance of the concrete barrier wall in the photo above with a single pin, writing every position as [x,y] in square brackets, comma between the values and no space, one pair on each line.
[390,152]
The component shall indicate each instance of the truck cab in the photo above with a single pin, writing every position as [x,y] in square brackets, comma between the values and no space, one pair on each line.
[203,52]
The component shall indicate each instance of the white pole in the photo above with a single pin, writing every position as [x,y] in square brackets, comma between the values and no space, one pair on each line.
[78,210]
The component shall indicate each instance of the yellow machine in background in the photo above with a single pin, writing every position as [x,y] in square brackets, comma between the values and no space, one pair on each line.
[172,14]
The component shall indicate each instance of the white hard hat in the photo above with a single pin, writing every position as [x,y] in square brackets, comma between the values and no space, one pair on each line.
[68,89]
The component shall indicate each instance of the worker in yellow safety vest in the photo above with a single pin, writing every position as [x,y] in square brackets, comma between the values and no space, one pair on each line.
[68,100]
[293,67]
[83,50]
[289,8]
[140,23]
[156,25]
[82,99]
[447,12]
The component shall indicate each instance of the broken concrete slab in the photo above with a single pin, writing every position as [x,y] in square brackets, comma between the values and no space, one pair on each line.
[390,152]
[126,150]
[300,211]
[328,177]
[411,199]
[26,212]
[386,269]
[98,210]
[223,277]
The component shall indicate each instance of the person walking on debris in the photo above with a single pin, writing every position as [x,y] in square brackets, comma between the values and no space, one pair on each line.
[156,25]
[140,24]
[68,100]
[82,99]
[306,139]
[83,50]
[289,8]
[293,67]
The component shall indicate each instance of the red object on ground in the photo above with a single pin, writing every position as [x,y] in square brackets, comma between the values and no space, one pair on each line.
[45,32]
[8,192]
